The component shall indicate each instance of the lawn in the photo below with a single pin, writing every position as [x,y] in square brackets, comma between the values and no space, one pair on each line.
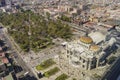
[45,64]
[62,77]
[51,72]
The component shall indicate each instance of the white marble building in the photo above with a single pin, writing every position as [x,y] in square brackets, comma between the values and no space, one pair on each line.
[89,51]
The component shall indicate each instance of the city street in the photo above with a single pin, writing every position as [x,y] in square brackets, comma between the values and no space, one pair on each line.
[16,54]
[114,71]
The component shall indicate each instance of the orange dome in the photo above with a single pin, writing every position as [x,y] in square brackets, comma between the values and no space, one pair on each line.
[87,40]
[94,47]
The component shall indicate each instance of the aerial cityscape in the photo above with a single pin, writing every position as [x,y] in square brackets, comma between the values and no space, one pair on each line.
[59,39]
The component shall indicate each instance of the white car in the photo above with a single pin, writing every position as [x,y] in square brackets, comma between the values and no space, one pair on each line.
[26,73]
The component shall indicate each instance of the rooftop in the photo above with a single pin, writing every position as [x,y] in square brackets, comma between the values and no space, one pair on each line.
[97,37]
[90,24]
[9,77]
[94,48]
[86,40]
[2,54]
[5,60]
[88,46]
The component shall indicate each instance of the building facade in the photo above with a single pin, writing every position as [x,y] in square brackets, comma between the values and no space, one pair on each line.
[89,51]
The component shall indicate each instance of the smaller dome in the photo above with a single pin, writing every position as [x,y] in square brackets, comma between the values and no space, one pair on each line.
[86,40]
[94,48]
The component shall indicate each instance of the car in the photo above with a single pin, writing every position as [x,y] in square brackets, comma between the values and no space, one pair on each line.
[26,73]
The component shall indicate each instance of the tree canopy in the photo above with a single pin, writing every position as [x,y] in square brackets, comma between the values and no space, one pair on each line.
[28,28]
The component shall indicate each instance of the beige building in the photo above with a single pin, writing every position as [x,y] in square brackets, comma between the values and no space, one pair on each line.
[51,11]
[64,8]
[69,9]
